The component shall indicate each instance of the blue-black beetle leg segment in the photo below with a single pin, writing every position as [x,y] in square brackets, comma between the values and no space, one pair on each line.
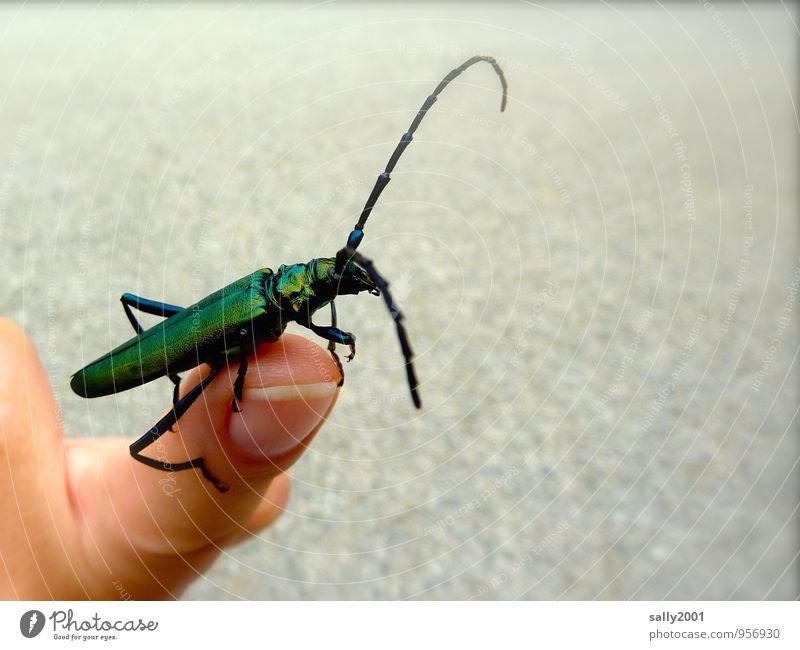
[397,316]
[147,306]
[331,334]
[164,425]
[355,237]
[156,308]
[332,346]
[238,387]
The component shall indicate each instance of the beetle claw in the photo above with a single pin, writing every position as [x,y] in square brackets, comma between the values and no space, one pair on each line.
[352,354]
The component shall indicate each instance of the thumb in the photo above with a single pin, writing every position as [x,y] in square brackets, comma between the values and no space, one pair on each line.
[290,387]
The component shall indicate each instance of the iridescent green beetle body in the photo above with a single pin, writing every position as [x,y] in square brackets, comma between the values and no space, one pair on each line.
[257,308]
[261,304]
[198,333]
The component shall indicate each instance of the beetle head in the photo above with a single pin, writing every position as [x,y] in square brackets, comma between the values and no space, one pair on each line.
[352,279]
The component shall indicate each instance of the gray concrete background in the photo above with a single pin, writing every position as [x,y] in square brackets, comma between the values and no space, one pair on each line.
[610,389]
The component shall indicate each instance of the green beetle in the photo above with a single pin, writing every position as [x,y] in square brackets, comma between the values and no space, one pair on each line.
[229,323]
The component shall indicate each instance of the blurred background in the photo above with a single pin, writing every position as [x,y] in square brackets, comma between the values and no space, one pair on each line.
[601,283]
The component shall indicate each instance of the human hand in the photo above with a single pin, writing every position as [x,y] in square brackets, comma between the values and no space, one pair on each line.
[82,519]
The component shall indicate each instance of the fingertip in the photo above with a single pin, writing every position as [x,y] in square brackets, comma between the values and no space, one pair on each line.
[25,395]
[16,349]
[8,325]
[290,387]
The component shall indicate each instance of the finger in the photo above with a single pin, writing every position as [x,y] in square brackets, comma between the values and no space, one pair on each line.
[39,536]
[135,510]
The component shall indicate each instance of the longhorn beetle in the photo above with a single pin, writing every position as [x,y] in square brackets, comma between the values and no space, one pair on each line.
[258,307]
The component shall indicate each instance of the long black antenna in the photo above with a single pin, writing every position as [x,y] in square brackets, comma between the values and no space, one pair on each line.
[357,234]
[383,286]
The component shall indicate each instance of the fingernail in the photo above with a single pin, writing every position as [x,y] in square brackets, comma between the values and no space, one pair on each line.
[275,419]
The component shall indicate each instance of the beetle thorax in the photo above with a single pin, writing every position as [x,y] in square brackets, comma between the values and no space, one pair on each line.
[307,287]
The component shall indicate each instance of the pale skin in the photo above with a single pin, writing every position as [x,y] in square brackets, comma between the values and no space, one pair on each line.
[81,519]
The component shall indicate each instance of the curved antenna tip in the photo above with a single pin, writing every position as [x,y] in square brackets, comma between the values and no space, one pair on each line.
[493,62]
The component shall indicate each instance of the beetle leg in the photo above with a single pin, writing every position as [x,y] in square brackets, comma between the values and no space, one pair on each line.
[337,361]
[238,386]
[147,306]
[176,392]
[155,308]
[334,335]
[164,425]
[332,346]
